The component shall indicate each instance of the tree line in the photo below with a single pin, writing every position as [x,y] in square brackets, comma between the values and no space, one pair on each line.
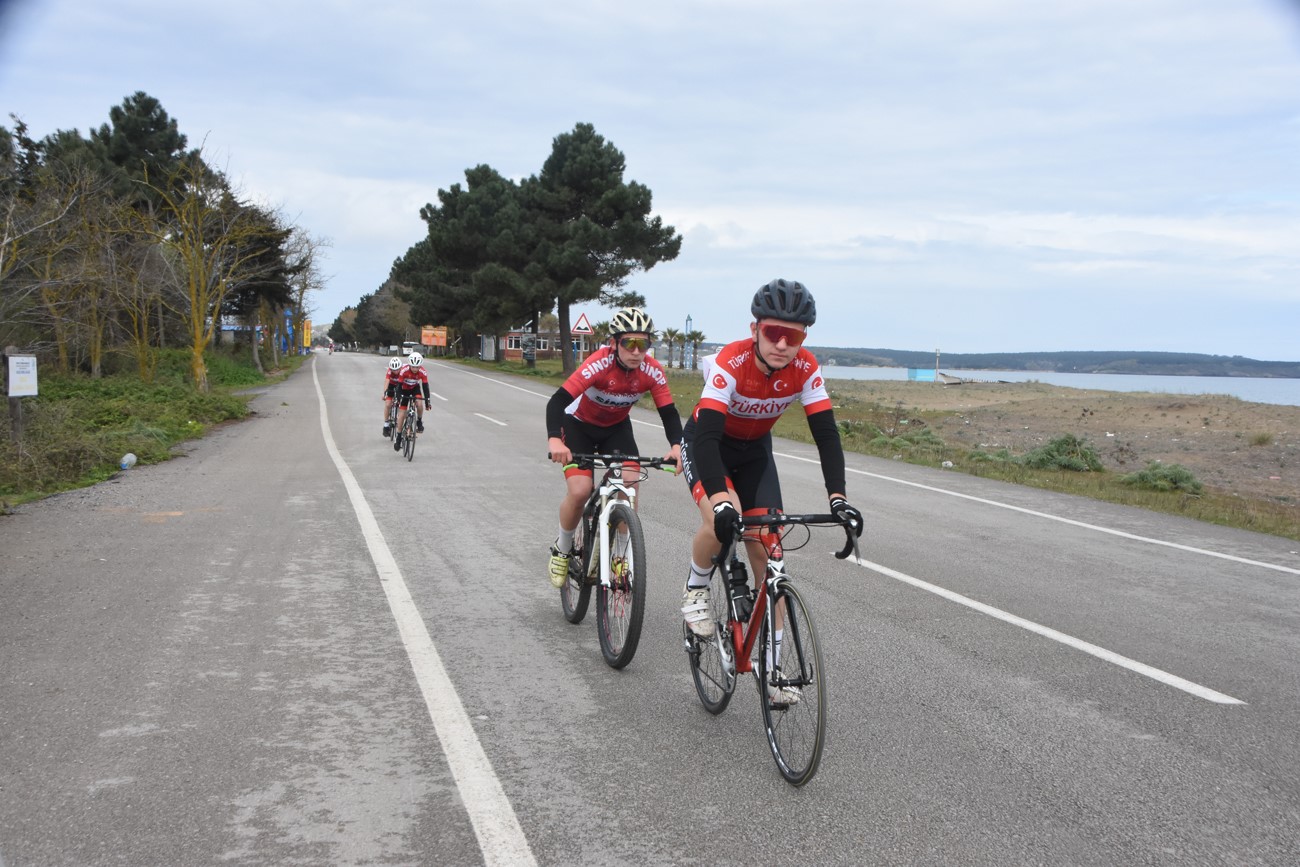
[120,243]
[500,253]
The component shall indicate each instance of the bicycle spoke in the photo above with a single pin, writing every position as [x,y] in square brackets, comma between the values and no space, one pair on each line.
[575,593]
[793,696]
[620,606]
[711,660]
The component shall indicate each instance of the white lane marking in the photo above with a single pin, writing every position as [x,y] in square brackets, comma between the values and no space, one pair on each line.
[489,418]
[435,394]
[1071,521]
[460,369]
[1047,632]
[500,837]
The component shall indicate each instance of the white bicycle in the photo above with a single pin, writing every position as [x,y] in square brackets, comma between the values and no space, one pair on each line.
[609,554]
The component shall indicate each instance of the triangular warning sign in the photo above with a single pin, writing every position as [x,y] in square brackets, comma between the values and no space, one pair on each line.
[582,326]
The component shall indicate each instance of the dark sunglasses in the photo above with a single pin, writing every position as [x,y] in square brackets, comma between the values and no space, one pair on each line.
[635,344]
[775,333]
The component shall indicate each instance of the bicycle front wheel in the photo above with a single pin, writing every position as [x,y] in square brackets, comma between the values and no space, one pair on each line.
[621,606]
[792,692]
[575,593]
[713,664]
[408,439]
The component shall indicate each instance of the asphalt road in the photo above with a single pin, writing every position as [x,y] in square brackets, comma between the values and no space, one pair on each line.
[291,646]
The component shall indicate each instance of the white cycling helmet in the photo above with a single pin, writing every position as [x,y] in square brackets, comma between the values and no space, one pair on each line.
[415,359]
[395,364]
[630,319]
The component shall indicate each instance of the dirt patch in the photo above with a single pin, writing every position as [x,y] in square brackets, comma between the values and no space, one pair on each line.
[1248,449]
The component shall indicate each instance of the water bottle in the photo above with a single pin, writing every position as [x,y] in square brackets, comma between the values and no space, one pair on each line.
[128,461]
[742,600]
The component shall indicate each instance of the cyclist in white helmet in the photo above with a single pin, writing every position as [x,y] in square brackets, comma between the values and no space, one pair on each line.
[412,380]
[391,382]
[590,413]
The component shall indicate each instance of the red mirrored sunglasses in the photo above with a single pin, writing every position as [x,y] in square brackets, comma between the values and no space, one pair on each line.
[635,344]
[775,333]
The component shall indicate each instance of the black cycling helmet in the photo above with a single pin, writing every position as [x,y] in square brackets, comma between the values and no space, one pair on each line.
[787,300]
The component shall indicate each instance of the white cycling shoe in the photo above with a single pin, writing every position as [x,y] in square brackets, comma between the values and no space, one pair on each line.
[695,608]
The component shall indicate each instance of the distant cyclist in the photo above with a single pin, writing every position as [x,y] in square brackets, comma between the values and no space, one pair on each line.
[412,379]
[589,414]
[727,443]
[391,383]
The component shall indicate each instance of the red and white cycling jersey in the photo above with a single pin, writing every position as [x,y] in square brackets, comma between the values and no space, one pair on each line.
[752,402]
[392,377]
[409,378]
[604,392]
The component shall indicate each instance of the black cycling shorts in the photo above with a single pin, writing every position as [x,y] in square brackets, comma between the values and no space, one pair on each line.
[751,469]
[584,438]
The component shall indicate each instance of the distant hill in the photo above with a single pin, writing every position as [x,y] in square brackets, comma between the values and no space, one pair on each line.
[1151,363]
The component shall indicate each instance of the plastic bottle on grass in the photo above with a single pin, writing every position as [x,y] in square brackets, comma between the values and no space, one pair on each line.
[128,461]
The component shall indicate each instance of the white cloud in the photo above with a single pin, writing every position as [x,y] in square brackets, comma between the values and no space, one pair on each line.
[1001,158]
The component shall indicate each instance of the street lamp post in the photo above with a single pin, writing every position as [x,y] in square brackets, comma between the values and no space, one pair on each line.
[686,341]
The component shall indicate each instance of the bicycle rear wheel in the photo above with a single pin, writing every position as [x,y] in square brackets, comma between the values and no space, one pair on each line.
[575,593]
[620,607]
[713,664]
[796,721]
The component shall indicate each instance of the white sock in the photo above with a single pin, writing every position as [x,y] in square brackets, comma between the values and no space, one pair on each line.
[774,651]
[564,541]
[698,578]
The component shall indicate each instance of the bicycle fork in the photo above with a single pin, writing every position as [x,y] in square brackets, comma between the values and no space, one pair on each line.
[607,509]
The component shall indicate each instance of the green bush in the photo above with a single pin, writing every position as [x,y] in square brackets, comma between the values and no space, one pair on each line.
[1066,452]
[78,428]
[1164,477]
[919,440]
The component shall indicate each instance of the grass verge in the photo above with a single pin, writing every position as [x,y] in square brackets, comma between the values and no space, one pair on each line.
[77,430]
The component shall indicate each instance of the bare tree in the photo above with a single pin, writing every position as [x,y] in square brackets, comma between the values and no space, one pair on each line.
[213,237]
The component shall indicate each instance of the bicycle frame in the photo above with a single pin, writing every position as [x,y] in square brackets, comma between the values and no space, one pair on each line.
[612,490]
[745,634]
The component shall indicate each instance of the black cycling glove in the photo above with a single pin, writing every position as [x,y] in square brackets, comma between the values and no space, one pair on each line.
[725,519]
[428,404]
[841,509]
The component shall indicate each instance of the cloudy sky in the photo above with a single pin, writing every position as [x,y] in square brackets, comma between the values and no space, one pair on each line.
[972,175]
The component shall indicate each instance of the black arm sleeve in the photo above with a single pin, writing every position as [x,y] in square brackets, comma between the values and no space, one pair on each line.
[672,423]
[555,411]
[827,437]
[706,449]
[426,390]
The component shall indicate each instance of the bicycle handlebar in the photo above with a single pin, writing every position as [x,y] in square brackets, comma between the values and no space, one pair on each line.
[850,531]
[590,461]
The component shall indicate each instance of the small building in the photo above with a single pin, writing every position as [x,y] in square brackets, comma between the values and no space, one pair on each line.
[512,344]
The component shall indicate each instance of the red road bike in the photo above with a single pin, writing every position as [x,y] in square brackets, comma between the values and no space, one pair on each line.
[769,633]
